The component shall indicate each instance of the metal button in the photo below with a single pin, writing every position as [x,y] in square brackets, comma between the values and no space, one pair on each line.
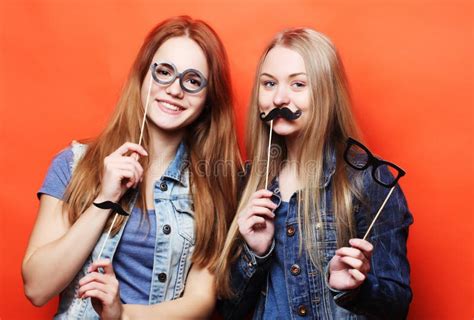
[295,270]
[163,186]
[302,310]
[318,225]
[162,277]
[290,231]
[166,229]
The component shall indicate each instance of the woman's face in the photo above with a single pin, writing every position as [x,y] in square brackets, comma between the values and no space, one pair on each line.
[170,107]
[284,83]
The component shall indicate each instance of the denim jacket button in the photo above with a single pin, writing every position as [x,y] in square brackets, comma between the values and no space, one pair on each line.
[290,231]
[295,270]
[163,186]
[166,229]
[302,310]
[162,277]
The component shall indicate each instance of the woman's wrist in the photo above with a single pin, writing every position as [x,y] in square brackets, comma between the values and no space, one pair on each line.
[102,198]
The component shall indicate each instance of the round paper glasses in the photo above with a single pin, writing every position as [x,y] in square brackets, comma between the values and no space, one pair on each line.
[190,80]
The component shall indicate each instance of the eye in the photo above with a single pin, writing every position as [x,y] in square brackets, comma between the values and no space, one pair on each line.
[298,84]
[163,72]
[269,83]
[194,82]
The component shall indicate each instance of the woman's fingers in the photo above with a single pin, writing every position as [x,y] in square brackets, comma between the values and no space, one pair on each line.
[93,285]
[264,202]
[362,265]
[128,146]
[357,275]
[363,245]
[252,223]
[351,252]
[125,167]
[262,193]
[93,277]
[259,204]
[97,281]
[352,262]
[105,264]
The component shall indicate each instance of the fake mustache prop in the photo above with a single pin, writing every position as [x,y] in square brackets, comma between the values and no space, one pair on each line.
[284,113]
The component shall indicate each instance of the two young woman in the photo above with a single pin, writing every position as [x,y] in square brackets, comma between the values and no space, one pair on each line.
[293,248]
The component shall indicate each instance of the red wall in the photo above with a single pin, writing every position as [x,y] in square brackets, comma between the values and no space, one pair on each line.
[409,63]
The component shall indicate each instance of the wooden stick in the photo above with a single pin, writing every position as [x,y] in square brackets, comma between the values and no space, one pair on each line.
[106,238]
[146,110]
[139,142]
[378,213]
[268,152]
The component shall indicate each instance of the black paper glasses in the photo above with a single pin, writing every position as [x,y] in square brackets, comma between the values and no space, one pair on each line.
[190,80]
[359,157]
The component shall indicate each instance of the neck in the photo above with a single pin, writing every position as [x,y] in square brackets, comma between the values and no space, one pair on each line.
[163,144]
[292,147]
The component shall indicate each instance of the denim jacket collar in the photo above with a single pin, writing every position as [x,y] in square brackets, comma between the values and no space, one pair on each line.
[176,168]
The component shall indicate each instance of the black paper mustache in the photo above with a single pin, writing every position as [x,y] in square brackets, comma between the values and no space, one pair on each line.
[112,205]
[284,113]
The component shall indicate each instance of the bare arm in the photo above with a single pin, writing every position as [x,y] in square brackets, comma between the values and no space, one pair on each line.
[57,250]
[197,302]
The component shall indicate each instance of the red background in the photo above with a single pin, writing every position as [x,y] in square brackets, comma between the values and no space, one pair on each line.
[409,63]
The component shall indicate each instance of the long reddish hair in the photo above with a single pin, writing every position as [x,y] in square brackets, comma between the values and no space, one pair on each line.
[211,140]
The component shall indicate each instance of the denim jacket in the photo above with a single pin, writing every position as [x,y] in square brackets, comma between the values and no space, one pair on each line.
[173,247]
[385,294]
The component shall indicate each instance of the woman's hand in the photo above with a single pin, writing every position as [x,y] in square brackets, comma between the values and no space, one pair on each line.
[349,267]
[121,172]
[256,222]
[103,289]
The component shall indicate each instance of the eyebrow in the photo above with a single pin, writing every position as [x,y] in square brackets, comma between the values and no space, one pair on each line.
[290,76]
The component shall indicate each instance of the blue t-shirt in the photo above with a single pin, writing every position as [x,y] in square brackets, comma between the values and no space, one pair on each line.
[133,260]
[276,304]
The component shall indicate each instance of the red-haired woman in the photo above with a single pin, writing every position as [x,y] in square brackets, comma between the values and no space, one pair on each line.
[178,202]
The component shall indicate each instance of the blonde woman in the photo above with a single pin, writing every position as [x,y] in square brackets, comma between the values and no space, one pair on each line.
[165,252]
[295,249]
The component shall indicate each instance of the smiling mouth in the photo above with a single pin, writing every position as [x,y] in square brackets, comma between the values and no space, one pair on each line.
[169,106]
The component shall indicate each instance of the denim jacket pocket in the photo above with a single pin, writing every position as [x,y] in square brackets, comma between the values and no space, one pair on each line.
[185,217]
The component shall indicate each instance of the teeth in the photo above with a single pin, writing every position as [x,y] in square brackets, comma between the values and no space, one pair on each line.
[170,106]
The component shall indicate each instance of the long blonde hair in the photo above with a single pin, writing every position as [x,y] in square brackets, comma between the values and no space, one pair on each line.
[330,123]
[211,138]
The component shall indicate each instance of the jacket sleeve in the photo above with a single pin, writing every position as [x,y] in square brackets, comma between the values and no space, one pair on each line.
[248,277]
[386,292]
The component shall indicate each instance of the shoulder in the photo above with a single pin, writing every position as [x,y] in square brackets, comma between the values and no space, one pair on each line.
[60,170]
[68,158]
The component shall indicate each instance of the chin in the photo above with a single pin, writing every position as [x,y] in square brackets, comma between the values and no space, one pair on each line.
[284,129]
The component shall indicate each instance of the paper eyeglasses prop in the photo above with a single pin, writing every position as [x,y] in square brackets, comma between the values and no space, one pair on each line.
[359,157]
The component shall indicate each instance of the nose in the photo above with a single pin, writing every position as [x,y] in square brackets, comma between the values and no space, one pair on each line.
[281,97]
[174,89]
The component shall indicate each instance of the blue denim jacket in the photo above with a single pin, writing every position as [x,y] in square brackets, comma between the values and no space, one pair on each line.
[385,294]
[173,250]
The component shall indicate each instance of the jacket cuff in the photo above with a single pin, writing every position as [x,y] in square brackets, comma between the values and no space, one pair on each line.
[254,259]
